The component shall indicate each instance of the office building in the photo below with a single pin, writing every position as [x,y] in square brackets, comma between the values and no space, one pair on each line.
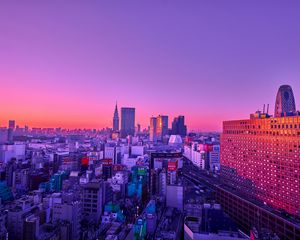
[152,132]
[174,196]
[65,209]
[127,121]
[196,156]
[3,135]
[12,124]
[285,102]
[247,214]
[21,210]
[92,201]
[10,131]
[116,119]
[178,126]
[162,127]
[260,158]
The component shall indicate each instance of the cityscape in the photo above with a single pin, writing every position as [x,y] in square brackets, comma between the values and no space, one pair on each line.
[88,153]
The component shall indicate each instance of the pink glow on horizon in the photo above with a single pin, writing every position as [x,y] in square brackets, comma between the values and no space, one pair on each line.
[65,65]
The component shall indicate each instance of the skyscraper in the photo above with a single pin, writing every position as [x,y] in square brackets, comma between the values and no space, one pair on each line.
[127,121]
[158,128]
[178,126]
[162,127]
[10,131]
[285,102]
[152,133]
[11,124]
[260,157]
[116,119]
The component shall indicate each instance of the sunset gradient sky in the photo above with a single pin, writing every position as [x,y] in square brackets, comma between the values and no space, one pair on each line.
[66,64]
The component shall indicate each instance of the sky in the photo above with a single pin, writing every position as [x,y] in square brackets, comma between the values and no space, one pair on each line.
[66,63]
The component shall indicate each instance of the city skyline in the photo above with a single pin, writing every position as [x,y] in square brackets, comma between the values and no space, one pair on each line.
[65,65]
[150,120]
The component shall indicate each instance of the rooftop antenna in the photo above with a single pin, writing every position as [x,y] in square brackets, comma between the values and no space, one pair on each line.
[268,108]
[264,108]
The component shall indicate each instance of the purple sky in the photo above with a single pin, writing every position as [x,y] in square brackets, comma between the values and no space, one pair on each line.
[65,64]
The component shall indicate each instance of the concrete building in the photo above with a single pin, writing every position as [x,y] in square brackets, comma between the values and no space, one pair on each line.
[21,210]
[192,153]
[9,151]
[66,209]
[92,200]
[174,197]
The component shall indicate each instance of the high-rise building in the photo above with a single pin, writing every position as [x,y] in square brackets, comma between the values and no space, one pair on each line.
[162,127]
[10,131]
[152,133]
[11,124]
[260,157]
[158,128]
[285,102]
[17,216]
[3,135]
[67,210]
[178,126]
[116,119]
[91,198]
[127,121]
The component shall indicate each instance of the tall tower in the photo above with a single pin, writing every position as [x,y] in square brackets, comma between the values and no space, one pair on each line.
[153,129]
[116,119]
[162,127]
[285,102]
[178,126]
[127,121]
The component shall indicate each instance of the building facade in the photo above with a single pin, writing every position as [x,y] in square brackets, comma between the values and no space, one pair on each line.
[91,199]
[162,127]
[153,127]
[158,128]
[127,121]
[260,157]
[179,127]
